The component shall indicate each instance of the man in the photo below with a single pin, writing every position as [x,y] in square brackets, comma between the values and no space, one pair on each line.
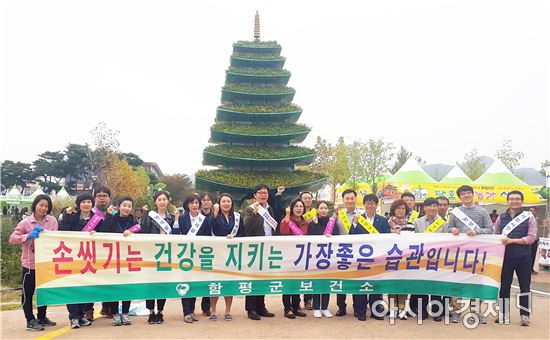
[443,207]
[307,198]
[469,219]
[102,199]
[431,222]
[520,230]
[344,220]
[258,221]
[371,223]
[409,199]
[535,245]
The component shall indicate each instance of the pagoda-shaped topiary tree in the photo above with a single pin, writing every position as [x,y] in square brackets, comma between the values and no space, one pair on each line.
[255,132]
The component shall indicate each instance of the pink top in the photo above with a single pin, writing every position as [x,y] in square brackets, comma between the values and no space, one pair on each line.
[20,236]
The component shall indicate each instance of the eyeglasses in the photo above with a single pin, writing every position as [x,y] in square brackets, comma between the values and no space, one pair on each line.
[262,192]
[102,195]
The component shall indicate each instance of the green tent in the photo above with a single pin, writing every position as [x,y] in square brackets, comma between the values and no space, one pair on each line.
[498,174]
[411,172]
[456,176]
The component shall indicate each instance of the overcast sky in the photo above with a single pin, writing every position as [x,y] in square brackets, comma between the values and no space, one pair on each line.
[439,77]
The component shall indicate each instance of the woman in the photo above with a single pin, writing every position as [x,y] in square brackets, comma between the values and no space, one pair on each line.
[225,222]
[398,222]
[294,224]
[24,233]
[158,221]
[122,222]
[81,314]
[318,226]
[192,223]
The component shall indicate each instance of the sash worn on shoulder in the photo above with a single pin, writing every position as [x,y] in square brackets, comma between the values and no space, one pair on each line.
[367,225]
[135,228]
[343,215]
[435,225]
[464,218]
[330,226]
[295,229]
[235,229]
[268,219]
[196,223]
[413,217]
[515,222]
[94,221]
[160,222]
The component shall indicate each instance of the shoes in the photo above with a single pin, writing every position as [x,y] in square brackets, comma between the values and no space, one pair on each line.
[194,317]
[307,305]
[152,318]
[362,318]
[341,312]
[265,313]
[252,315]
[188,318]
[213,317]
[206,313]
[227,317]
[298,312]
[438,318]
[317,313]
[525,320]
[75,324]
[326,313]
[84,321]
[89,315]
[34,325]
[46,322]
[289,314]
[125,319]
[160,318]
[117,320]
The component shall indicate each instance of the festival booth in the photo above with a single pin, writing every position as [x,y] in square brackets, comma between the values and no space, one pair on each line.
[13,198]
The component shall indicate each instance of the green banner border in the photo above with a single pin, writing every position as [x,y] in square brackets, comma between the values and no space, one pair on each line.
[141,291]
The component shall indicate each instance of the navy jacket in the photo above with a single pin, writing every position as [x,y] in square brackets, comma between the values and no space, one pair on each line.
[380,223]
[117,224]
[221,227]
[73,222]
[185,225]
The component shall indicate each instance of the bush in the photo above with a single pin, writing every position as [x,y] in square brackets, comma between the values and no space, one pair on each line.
[259,152]
[260,129]
[261,108]
[259,71]
[249,179]
[255,56]
[11,255]
[259,89]
[253,43]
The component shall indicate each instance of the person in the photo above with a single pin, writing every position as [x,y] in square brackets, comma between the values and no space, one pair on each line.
[429,223]
[535,245]
[410,200]
[192,223]
[63,211]
[443,207]
[24,234]
[5,211]
[471,220]
[102,200]
[493,216]
[206,210]
[122,222]
[343,222]
[307,198]
[294,212]
[372,224]
[258,221]
[77,221]
[318,226]
[397,223]
[520,231]
[225,222]
[158,221]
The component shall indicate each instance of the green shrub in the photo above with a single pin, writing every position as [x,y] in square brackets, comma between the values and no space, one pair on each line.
[259,89]
[11,255]
[253,43]
[254,56]
[261,108]
[259,71]
[259,152]
[249,179]
[260,129]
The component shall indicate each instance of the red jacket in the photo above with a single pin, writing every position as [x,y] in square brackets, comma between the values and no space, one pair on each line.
[302,224]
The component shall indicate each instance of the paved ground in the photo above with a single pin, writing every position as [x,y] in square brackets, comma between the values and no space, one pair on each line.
[279,327]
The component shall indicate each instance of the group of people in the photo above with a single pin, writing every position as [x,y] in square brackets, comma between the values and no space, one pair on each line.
[266,216]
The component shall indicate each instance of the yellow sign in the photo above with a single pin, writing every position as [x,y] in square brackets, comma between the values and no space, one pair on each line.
[367,225]
[310,214]
[435,226]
